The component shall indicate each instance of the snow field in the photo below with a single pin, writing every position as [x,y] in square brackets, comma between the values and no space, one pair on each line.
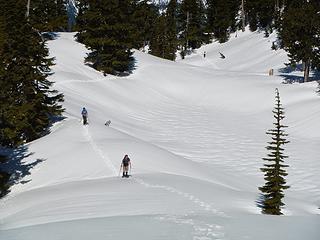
[195,131]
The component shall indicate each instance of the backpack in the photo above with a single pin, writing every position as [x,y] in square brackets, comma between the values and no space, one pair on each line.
[84,112]
[126,161]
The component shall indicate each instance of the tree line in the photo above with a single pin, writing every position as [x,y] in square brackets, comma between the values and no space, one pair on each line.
[110,29]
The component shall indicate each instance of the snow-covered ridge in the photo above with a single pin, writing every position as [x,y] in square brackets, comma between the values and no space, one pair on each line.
[195,131]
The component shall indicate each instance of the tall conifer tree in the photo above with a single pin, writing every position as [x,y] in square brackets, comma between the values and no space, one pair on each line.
[222,18]
[48,15]
[164,41]
[159,41]
[273,169]
[191,24]
[262,14]
[107,33]
[27,102]
[172,32]
[143,21]
[300,33]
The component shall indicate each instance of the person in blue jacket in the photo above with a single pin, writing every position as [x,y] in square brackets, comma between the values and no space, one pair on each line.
[84,114]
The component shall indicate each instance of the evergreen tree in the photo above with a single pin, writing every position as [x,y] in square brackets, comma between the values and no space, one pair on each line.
[191,24]
[48,15]
[300,33]
[273,170]
[4,178]
[172,31]
[82,6]
[143,21]
[159,41]
[27,102]
[107,33]
[262,14]
[222,18]
[164,39]
[2,33]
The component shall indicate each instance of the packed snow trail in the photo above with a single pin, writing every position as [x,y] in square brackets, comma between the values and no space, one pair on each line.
[98,150]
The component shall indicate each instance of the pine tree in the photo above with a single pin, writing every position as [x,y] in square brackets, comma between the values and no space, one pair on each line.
[300,33]
[164,40]
[191,24]
[262,14]
[159,41]
[107,33]
[143,21]
[3,33]
[273,170]
[4,178]
[27,102]
[81,19]
[222,18]
[48,15]
[172,31]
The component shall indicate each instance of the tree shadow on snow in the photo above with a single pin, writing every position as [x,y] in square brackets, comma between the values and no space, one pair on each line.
[50,35]
[260,200]
[53,120]
[16,165]
[289,77]
[318,89]
[131,68]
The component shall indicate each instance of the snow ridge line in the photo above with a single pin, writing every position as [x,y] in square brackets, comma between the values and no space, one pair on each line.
[84,81]
[99,151]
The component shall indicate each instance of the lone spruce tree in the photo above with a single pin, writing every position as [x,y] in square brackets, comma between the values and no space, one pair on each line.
[273,170]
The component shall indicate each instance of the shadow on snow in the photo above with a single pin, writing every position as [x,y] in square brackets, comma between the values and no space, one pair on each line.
[288,75]
[15,166]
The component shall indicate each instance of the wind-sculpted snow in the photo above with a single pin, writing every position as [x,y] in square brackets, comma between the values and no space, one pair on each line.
[195,132]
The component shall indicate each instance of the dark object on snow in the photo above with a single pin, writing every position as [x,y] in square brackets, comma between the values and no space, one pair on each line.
[204,54]
[125,166]
[84,114]
[108,123]
[222,56]
[270,72]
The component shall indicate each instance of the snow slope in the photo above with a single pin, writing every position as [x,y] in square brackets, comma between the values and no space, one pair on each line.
[195,131]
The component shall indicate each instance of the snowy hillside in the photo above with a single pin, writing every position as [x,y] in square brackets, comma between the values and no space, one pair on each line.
[195,132]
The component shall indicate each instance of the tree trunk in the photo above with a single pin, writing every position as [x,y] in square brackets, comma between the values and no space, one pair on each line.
[28,9]
[306,70]
[243,16]
[277,7]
